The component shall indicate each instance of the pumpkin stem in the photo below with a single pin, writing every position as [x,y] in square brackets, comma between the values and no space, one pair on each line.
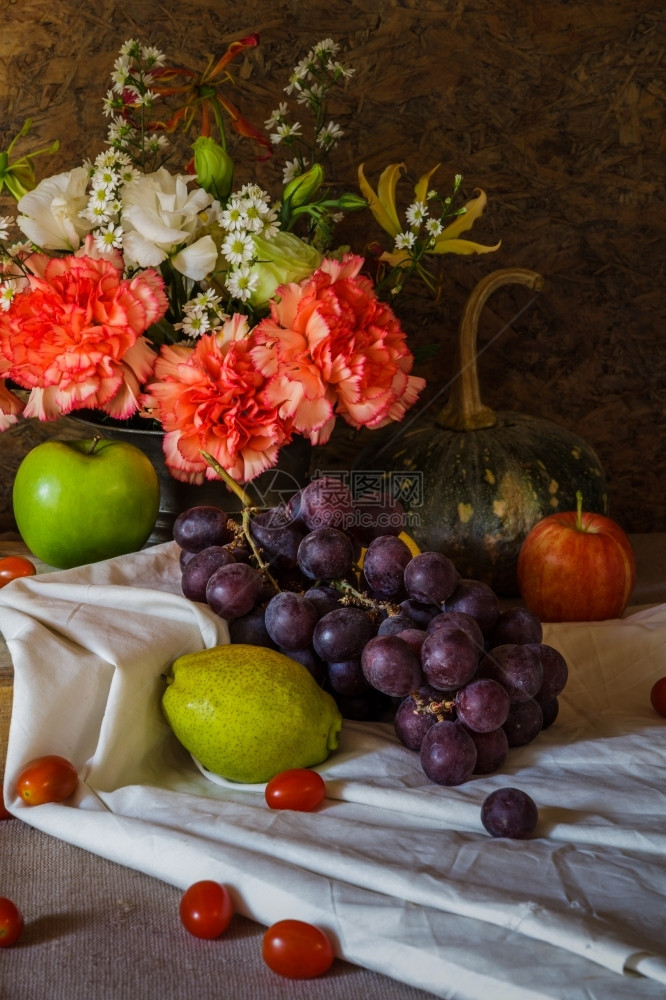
[464,410]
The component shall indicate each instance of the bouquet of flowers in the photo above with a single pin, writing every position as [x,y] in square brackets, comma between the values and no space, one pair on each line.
[225,316]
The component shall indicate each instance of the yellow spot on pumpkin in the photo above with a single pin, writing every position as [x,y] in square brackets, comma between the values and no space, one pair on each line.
[489,477]
[499,508]
[575,452]
[465,512]
[553,486]
[554,502]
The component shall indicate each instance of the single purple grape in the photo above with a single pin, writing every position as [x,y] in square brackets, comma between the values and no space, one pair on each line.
[516,667]
[341,634]
[449,659]
[491,750]
[393,624]
[234,590]
[384,565]
[550,709]
[477,599]
[324,598]
[325,503]
[509,812]
[483,705]
[198,527]
[415,637]
[448,754]
[523,723]
[391,666]
[277,537]
[325,554]
[346,676]
[430,577]
[515,625]
[555,671]
[421,614]
[458,619]
[250,629]
[291,620]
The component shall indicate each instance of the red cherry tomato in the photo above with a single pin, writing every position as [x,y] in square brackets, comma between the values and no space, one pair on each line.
[297,950]
[12,567]
[47,779]
[206,909]
[11,923]
[658,696]
[299,788]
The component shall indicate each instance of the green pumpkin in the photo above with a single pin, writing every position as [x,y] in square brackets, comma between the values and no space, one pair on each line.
[475,481]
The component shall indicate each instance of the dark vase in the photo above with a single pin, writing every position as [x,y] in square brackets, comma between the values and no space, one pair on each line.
[269,489]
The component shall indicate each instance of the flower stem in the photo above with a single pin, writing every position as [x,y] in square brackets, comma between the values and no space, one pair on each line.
[227,479]
[248,508]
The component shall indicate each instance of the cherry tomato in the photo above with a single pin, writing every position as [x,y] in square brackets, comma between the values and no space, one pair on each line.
[299,788]
[11,923]
[206,909]
[47,779]
[12,567]
[658,696]
[297,950]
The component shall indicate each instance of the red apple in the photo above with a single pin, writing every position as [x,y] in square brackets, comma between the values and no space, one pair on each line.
[576,566]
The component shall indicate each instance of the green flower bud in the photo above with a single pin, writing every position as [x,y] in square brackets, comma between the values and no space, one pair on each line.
[348,202]
[283,259]
[214,167]
[301,189]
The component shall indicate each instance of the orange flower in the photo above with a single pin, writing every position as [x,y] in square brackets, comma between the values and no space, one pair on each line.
[331,347]
[210,398]
[73,337]
[201,92]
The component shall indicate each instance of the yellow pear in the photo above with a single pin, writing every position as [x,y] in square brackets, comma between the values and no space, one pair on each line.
[248,712]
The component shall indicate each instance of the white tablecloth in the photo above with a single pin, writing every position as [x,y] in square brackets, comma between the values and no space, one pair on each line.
[398,870]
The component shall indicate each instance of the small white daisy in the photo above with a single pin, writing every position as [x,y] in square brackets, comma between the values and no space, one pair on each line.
[241,283]
[416,213]
[278,115]
[238,247]
[109,238]
[404,241]
[7,293]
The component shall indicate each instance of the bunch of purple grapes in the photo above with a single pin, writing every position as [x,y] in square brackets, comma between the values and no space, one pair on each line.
[398,636]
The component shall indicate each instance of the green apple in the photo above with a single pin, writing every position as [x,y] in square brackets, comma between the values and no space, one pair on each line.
[77,502]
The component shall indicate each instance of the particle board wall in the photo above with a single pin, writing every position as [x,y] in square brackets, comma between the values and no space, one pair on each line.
[555,109]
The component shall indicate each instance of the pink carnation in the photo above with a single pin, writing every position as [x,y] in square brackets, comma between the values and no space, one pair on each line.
[73,337]
[211,398]
[330,347]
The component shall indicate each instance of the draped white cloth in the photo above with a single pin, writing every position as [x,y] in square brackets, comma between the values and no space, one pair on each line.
[399,871]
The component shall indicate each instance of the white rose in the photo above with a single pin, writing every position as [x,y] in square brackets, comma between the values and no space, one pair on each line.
[160,218]
[52,211]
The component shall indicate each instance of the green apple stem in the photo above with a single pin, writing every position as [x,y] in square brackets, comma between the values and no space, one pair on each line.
[95,441]
[579,510]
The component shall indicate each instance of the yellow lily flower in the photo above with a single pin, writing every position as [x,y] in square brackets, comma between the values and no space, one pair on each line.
[383,207]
